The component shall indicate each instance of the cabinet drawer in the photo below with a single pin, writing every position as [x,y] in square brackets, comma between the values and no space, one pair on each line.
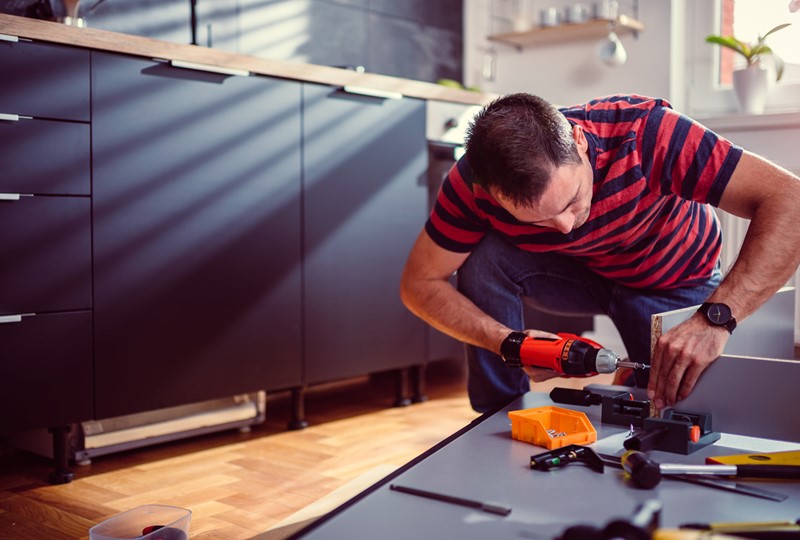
[44,156]
[43,80]
[45,371]
[45,252]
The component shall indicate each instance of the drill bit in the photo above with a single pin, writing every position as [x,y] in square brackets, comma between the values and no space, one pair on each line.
[632,365]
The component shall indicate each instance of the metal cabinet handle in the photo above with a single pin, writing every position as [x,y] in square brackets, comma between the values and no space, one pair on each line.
[6,37]
[372,92]
[5,319]
[9,196]
[9,117]
[209,68]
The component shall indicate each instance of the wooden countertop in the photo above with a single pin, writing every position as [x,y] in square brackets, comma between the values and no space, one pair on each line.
[104,40]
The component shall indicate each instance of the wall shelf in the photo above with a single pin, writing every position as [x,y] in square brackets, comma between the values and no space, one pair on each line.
[593,29]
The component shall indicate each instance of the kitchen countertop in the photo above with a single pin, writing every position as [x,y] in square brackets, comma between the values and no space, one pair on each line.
[104,40]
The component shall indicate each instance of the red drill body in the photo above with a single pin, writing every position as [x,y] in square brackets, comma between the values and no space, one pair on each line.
[568,354]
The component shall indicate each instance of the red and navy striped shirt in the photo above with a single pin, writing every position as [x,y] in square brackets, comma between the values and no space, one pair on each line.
[650,226]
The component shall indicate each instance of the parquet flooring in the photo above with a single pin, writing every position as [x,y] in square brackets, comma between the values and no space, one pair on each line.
[238,485]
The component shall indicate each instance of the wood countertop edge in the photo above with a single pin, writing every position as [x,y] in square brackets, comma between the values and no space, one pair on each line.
[105,40]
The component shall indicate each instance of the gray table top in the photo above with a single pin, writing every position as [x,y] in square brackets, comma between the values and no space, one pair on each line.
[484,463]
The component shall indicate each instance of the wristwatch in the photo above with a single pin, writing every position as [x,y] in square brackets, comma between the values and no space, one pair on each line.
[719,314]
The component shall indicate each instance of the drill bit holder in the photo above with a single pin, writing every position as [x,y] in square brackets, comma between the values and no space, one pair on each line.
[573,453]
[678,432]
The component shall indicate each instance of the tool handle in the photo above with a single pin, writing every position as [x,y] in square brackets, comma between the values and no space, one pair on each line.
[768,471]
[575,396]
[646,440]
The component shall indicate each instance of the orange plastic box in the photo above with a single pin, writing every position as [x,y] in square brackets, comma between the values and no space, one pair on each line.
[551,427]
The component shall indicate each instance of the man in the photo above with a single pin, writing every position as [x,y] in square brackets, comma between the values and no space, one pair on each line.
[599,208]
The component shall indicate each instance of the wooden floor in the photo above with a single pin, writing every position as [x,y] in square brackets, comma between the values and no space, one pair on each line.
[239,484]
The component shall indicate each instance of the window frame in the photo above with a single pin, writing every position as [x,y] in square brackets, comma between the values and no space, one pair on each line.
[704,95]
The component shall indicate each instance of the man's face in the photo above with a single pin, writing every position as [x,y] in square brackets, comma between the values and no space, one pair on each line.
[566,202]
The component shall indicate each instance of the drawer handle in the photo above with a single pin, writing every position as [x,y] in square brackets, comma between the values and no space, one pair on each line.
[9,117]
[372,92]
[211,69]
[9,196]
[6,37]
[5,319]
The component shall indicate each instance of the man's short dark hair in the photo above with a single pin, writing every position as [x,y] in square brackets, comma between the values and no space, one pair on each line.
[515,143]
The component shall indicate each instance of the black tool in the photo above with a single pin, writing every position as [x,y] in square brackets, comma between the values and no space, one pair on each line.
[640,526]
[618,408]
[709,481]
[646,472]
[679,432]
[567,454]
[486,507]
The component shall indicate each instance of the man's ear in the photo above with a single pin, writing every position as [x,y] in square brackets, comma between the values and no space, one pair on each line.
[580,138]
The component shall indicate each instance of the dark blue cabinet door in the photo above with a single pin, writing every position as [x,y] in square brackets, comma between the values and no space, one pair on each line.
[365,200]
[196,199]
[44,157]
[46,262]
[44,81]
[46,370]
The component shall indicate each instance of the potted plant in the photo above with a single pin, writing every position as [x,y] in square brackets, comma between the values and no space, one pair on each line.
[751,82]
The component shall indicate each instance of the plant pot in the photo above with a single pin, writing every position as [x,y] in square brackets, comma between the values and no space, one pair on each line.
[751,86]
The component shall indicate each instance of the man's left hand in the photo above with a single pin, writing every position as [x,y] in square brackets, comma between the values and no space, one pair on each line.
[680,356]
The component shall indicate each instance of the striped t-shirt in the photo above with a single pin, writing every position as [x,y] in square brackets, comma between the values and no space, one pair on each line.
[650,226]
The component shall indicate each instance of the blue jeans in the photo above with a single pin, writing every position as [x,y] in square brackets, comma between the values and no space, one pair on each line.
[498,277]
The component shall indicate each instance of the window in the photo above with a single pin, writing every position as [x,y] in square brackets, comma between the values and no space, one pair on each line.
[712,66]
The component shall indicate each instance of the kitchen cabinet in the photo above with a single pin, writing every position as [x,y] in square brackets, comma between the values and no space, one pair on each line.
[365,201]
[45,271]
[46,370]
[196,207]
[44,80]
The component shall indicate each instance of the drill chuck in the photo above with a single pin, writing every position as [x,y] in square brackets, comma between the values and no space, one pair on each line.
[606,361]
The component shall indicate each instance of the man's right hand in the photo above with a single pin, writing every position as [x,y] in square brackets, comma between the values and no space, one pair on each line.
[540,374]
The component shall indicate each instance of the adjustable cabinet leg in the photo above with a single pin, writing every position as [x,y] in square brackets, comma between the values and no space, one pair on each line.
[298,420]
[402,391]
[418,378]
[61,473]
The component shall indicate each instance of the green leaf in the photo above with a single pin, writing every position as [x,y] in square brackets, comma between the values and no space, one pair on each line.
[727,41]
[779,27]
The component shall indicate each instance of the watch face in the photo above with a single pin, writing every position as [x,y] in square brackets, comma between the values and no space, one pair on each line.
[719,313]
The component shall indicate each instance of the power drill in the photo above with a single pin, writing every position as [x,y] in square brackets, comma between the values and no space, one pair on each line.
[568,354]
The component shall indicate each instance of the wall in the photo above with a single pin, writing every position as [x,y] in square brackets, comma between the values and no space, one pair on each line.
[570,73]
[415,39]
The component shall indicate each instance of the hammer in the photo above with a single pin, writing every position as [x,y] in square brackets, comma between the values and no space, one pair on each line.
[646,472]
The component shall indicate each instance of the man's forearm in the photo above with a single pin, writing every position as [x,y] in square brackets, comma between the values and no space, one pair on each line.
[766,261]
[439,304]
[770,253]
